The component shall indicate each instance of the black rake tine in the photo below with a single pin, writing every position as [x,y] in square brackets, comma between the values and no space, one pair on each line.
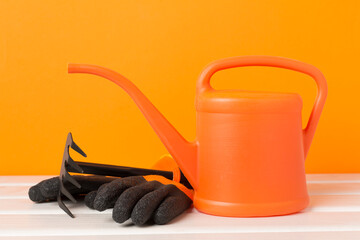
[67,194]
[70,142]
[73,164]
[77,149]
[69,178]
[66,158]
[63,206]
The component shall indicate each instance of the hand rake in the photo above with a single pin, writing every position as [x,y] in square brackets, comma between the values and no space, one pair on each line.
[69,165]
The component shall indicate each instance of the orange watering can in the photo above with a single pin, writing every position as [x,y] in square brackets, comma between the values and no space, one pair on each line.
[248,158]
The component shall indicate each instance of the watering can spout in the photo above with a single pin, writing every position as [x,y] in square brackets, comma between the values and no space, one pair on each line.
[184,152]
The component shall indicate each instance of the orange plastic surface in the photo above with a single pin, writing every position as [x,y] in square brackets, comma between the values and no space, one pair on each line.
[167,163]
[248,159]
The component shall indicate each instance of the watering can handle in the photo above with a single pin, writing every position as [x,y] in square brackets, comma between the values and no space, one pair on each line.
[203,83]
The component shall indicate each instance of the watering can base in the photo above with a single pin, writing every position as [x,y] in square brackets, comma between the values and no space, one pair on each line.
[226,209]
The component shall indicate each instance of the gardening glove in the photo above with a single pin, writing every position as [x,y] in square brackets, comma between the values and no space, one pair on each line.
[47,190]
[142,198]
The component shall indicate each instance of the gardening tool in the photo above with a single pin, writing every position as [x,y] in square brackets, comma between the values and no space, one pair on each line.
[69,165]
[248,158]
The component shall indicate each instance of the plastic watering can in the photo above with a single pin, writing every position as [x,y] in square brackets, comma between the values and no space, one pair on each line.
[248,156]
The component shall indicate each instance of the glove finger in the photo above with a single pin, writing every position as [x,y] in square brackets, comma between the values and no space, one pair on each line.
[35,194]
[108,194]
[171,207]
[128,199]
[89,199]
[146,206]
[48,189]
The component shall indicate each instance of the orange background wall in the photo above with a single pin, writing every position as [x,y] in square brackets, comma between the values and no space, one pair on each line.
[162,46]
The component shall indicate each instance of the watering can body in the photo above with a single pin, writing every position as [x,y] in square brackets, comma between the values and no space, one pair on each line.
[250,161]
[248,158]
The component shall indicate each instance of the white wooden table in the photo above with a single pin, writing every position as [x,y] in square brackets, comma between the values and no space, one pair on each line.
[334,213]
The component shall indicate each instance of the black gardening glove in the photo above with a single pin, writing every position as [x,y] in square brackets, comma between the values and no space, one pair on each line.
[141,198]
[47,190]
